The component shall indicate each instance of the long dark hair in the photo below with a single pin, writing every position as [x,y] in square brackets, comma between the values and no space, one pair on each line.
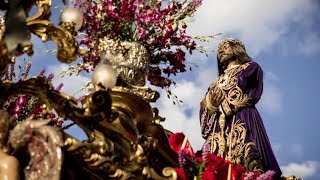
[239,52]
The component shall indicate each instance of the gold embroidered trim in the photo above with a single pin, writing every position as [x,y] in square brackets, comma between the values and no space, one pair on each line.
[230,144]
[239,149]
[235,96]
[226,108]
[209,104]
[222,142]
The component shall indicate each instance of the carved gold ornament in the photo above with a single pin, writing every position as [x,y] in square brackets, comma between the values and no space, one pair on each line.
[123,129]
[130,59]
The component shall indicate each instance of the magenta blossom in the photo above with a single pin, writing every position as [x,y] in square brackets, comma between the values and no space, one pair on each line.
[159,25]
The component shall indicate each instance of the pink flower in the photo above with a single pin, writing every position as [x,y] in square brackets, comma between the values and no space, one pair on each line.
[41,73]
[159,26]
[59,123]
[180,55]
[51,76]
[182,157]
[22,100]
[16,111]
[142,33]
[267,175]
[58,88]
[167,31]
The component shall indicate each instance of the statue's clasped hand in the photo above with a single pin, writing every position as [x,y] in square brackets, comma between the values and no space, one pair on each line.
[214,98]
[217,96]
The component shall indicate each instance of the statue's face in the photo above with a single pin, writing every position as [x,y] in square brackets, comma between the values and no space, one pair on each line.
[225,53]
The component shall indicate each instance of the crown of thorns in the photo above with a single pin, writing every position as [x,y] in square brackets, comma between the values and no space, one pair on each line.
[229,40]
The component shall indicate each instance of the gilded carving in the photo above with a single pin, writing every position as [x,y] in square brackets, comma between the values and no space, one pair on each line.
[63,37]
[146,94]
[131,60]
[167,173]
[120,123]
[2,28]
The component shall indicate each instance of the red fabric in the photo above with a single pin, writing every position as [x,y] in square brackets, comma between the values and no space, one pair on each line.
[176,140]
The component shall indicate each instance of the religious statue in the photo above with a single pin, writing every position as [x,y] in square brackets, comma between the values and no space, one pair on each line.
[230,122]
[9,165]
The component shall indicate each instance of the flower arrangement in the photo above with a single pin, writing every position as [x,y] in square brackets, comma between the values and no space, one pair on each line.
[159,25]
[215,167]
[210,166]
[24,106]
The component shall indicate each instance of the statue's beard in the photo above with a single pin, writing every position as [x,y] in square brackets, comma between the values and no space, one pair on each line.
[226,59]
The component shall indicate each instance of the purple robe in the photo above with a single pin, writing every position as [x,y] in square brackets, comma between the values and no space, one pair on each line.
[235,131]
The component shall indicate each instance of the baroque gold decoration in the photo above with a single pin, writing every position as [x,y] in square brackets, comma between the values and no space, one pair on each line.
[2,28]
[120,126]
[131,59]
[63,37]
[146,94]
[167,173]
[120,123]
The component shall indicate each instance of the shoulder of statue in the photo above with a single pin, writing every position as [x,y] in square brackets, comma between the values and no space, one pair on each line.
[250,65]
[246,65]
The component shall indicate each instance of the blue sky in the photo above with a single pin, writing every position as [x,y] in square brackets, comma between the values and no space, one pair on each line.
[284,38]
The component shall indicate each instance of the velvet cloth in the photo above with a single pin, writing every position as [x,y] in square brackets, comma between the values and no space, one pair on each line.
[243,128]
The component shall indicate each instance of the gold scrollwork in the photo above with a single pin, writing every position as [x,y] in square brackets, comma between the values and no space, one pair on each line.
[231,144]
[237,98]
[2,28]
[233,93]
[167,173]
[130,58]
[146,94]
[170,173]
[64,37]
[238,148]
